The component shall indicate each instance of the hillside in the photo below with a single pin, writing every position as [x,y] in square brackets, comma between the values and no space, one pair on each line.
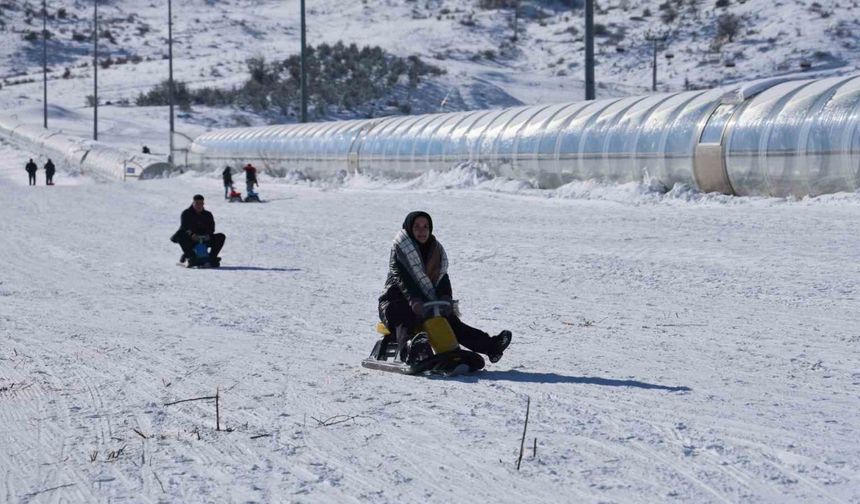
[707,43]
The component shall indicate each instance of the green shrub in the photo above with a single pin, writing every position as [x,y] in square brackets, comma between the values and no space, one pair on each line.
[340,78]
[497,4]
[728,27]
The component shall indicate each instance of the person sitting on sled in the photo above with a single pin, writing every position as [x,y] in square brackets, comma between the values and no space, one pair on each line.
[417,273]
[198,225]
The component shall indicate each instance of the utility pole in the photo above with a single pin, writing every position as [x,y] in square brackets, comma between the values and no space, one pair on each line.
[516,20]
[304,69]
[654,69]
[96,70]
[170,73]
[589,50]
[655,41]
[45,63]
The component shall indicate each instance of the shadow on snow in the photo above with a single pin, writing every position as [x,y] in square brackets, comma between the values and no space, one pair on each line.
[521,376]
[253,268]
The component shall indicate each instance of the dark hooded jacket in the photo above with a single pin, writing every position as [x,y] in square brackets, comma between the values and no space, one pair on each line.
[250,174]
[228,176]
[400,287]
[202,223]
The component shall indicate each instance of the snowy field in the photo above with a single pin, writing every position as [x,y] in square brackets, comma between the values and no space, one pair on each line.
[675,348]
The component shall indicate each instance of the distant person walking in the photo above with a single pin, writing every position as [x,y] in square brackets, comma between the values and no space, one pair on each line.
[228,181]
[31,171]
[250,177]
[49,172]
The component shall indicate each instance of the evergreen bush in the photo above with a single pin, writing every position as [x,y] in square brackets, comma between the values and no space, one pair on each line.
[340,78]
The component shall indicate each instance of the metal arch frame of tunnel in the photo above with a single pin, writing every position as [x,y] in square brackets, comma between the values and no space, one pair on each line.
[773,137]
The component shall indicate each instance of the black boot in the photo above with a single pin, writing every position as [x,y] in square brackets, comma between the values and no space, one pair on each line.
[418,348]
[192,260]
[501,342]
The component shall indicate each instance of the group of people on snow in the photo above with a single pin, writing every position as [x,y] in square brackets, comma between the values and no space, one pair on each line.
[250,180]
[417,274]
[197,226]
[32,167]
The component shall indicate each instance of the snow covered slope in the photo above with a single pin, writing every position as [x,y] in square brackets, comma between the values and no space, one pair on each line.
[676,348]
[485,68]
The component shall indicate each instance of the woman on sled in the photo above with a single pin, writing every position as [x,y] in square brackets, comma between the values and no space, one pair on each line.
[417,274]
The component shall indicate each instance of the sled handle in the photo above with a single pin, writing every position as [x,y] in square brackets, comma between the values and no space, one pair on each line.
[437,307]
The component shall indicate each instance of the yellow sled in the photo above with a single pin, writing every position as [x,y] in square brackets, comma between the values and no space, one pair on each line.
[447,359]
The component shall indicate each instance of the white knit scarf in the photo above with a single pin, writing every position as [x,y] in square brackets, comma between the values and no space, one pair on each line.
[409,255]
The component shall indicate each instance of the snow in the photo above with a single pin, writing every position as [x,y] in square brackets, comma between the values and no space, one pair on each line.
[675,347]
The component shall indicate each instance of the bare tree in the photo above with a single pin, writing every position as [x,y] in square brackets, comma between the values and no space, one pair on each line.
[728,26]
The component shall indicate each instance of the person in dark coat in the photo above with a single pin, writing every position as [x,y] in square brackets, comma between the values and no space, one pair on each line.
[31,171]
[250,177]
[417,273]
[49,172]
[198,223]
[228,181]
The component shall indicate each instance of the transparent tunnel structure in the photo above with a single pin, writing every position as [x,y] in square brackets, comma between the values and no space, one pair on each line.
[776,137]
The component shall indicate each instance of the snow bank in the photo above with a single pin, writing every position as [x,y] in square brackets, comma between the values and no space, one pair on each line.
[470,176]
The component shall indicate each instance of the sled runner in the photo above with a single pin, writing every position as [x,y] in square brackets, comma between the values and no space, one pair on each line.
[435,346]
[205,265]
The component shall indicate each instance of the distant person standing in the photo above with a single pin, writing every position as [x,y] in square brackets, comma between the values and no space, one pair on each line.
[250,177]
[31,171]
[228,181]
[49,172]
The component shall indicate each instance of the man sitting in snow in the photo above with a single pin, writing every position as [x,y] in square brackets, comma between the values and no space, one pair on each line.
[198,226]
